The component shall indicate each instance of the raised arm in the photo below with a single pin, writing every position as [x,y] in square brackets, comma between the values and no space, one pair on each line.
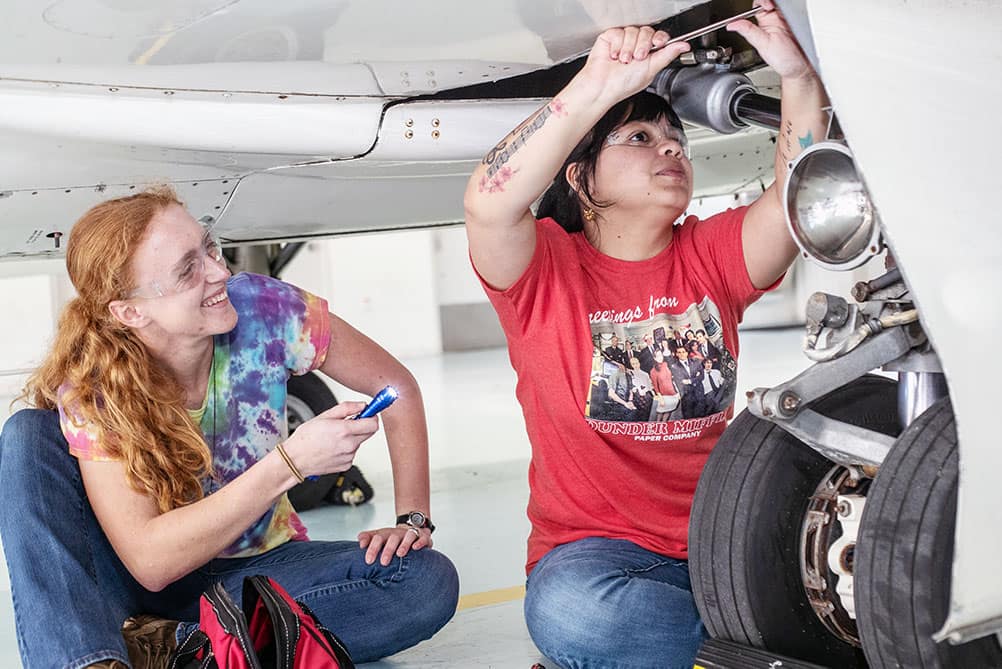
[499,224]
[768,247]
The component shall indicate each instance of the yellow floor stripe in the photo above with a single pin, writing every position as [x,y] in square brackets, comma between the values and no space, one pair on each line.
[475,599]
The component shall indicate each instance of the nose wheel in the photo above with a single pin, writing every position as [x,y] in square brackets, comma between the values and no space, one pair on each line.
[748,553]
[828,548]
[905,553]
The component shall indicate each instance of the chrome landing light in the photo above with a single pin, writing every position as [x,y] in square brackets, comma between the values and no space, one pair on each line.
[828,210]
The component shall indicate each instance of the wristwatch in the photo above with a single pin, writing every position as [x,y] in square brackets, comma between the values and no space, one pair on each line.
[416,519]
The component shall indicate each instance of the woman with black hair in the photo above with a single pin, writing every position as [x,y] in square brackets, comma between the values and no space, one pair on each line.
[609,503]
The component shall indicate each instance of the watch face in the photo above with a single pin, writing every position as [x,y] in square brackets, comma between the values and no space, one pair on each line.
[417,519]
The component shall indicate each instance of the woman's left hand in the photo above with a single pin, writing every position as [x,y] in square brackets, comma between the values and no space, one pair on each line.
[774,41]
[389,541]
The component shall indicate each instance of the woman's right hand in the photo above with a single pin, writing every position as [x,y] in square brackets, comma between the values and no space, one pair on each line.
[621,62]
[500,226]
[327,442]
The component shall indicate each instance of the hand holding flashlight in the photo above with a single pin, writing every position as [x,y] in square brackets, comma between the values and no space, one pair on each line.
[382,400]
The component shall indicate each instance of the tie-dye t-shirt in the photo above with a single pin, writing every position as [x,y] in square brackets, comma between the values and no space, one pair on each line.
[280,330]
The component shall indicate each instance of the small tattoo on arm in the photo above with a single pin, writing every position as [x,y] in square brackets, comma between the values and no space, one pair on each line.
[786,145]
[496,183]
[497,172]
[806,141]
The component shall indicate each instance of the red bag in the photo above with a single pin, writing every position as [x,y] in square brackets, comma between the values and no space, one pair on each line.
[272,631]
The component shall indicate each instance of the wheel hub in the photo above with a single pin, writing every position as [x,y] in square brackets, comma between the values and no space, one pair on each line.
[297,412]
[827,547]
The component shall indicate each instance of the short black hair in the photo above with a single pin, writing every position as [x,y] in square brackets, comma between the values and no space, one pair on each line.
[560,202]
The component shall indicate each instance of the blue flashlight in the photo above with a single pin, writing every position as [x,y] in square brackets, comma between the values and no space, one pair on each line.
[383,399]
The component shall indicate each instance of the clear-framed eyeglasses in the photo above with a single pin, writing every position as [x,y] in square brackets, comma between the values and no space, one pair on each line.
[649,135]
[188,272]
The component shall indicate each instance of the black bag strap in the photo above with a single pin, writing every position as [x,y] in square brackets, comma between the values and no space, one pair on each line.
[283,621]
[225,620]
[289,624]
[268,631]
[340,650]
[233,621]
[185,656]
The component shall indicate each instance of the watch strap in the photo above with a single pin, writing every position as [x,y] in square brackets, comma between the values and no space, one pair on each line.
[405,519]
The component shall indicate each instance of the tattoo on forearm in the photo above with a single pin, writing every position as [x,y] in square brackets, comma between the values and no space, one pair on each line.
[496,183]
[497,172]
[500,154]
[786,145]
[806,140]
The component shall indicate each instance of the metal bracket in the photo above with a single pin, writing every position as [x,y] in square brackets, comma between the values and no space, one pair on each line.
[850,512]
[840,442]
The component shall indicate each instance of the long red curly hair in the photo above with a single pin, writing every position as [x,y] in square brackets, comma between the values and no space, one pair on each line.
[135,407]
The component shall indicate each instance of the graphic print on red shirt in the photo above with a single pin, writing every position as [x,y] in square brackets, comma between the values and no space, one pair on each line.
[671,367]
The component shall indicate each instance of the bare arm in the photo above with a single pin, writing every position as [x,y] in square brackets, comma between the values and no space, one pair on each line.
[768,247]
[499,224]
[361,364]
[158,549]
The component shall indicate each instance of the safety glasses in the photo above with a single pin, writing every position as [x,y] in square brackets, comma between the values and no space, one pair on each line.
[187,273]
[649,135]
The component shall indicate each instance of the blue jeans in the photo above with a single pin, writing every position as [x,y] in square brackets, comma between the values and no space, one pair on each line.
[610,604]
[72,593]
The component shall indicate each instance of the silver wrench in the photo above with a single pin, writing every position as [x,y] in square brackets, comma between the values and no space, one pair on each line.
[699,32]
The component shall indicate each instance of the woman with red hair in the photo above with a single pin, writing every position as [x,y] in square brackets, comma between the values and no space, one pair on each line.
[157,460]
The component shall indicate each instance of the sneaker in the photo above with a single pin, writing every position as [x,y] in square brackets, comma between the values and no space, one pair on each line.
[149,640]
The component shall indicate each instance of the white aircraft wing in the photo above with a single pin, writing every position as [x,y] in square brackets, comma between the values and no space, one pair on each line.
[288,121]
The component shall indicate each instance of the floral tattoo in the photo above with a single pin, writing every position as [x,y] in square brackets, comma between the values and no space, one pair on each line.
[498,173]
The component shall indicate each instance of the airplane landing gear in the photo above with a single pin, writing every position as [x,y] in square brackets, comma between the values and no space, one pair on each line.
[905,553]
[747,519]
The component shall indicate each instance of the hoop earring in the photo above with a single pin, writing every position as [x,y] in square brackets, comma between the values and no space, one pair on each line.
[589,214]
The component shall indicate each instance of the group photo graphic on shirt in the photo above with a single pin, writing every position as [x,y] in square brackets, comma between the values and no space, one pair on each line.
[673,368]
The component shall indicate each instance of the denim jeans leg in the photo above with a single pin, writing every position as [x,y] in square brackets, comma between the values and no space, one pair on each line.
[70,590]
[375,610]
[609,603]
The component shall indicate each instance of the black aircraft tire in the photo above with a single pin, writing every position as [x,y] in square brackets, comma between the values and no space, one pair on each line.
[747,515]
[904,554]
[309,396]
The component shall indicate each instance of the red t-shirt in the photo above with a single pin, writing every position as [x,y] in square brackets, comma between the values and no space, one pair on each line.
[622,467]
